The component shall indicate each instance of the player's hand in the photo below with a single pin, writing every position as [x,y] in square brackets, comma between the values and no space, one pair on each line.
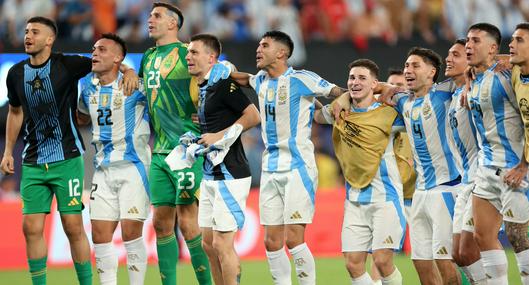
[387,96]
[341,104]
[195,119]
[515,176]
[210,138]
[463,98]
[8,165]
[129,82]
[221,70]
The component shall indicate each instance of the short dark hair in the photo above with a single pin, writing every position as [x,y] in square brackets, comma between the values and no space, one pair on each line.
[490,29]
[462,42]
[45,21]
[210,41]
[429,56]
[171,8]
[523,26]
[282,38]
[117,40]
[395,71]
[366,63]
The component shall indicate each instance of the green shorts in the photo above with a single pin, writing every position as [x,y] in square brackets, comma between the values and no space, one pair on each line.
[170,188]
[41,181]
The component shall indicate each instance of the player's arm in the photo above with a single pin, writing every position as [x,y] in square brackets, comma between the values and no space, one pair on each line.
[83,119]
[323,115]
[130,79]
[336,92]
[15,118]
[242,78]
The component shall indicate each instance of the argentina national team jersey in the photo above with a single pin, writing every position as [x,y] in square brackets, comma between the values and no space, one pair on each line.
[120,124]
[497,119]
[386,185]
[462,138]
[286,106]
[425,120]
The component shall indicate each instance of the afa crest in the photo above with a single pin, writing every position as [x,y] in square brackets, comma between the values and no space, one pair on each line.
[426,110]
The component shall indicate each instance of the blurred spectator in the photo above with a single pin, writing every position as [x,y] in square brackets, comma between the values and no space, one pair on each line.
[238,13]
[514,12]
[15,13]
[221,24]
[8,189]
[132,17]
[311,20]
[429,14]
[488,11]
[259,24]
[74,19]
[369,19]
[283,16]
[194,16]
[104,17]
[335,19]
[456,14]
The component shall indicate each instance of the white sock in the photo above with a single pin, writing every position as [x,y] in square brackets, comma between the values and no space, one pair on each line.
[377,282]
[136,261]
[106,263]
[365,279]
[279,266]
[523,265]
[495,264]
[304,263]
[394,278]
[475,273]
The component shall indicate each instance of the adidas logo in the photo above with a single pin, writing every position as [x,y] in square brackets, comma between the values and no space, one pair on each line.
[162,276]
[509,213]
[442,250]
[523,273]
[74,202]
[233,87]
[303,275]
[184,195]
[201,268]
[388,240]
[133,210]
[470,222]
[488,276]
[133,268]
[99,271]
[295,216]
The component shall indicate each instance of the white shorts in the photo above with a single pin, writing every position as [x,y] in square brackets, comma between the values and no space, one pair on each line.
[372,226]
[119,192]
[287,197]
[222,204]
[431,223]
[511,203]
[468,218]
[461,208]
[407,209]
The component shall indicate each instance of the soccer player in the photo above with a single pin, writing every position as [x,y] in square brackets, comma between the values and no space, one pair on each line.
[42,92]
[120,135]
[289,176]
[396,77]
[373,211]
[500,139]
[519,57]
[172,95]
[226,186]
[463,143]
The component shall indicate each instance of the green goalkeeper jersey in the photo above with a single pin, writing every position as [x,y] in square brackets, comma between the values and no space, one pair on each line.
[171,92]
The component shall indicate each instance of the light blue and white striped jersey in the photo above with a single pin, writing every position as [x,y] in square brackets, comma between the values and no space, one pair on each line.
[497,119]
[386,185]
[425,119]
[462,138]
[287,107]
[120,124]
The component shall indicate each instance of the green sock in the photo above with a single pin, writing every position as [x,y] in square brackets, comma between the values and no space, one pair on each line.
[84,272]
[199,259]
[464,280]
[37,268]
[167,258]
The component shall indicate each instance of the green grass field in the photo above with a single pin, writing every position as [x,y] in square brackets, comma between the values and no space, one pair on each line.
[331,271]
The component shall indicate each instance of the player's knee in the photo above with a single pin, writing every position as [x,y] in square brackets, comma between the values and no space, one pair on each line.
[293,241]
[273,243]
[129,234]
[32,230]
[355,267]
[383,262]
[221,246]
[73,232]
[208,248]
[163,227]
[481,238]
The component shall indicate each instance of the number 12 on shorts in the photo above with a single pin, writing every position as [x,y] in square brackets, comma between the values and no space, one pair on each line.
[73,187]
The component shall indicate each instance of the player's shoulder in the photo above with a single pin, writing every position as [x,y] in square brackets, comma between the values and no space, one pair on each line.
[447,85]
[304,74]
[18,67]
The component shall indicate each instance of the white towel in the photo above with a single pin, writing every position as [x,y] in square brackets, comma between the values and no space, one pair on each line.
[185,154]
